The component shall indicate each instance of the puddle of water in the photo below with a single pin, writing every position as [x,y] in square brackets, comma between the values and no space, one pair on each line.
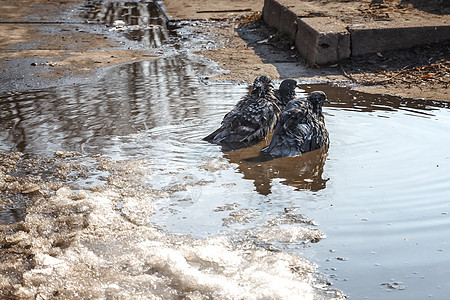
[159,115]
[142,22]
[379,193]
[130,13]
[145,25]
[85,117]
[386,207]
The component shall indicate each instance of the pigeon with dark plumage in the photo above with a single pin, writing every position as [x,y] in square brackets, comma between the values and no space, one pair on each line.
[317,99]
[251,120]
[286,92]
[301,128]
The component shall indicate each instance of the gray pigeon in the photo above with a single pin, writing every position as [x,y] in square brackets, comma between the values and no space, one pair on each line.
[301,128]
[286,92]
[251,119]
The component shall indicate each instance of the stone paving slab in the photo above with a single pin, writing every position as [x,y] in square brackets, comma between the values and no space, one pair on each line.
[322,37]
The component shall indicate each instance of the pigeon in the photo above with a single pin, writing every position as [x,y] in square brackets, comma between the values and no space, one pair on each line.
[317,99]
[251,119]
[301,128]
[286,92]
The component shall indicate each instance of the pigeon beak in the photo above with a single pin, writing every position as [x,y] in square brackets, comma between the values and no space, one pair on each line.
[326,101]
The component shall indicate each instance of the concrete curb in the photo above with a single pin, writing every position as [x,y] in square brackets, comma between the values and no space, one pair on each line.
[369,40]
[324,40]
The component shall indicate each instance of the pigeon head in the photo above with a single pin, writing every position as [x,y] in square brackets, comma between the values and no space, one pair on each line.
[317,99]
[262,85]
[287,91]
[288,86]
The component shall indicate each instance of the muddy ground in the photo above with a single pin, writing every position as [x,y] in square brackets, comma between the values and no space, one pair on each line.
[44,43]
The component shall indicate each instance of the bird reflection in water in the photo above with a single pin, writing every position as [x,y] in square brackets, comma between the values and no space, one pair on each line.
[303,172]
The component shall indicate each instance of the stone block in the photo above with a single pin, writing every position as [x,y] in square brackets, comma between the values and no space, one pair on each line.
[372,40]
[322,40]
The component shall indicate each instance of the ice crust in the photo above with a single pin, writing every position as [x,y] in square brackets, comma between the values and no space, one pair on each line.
[98,243]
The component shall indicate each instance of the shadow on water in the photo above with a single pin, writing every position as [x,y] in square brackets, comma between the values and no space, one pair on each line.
[352,100]
[303,172]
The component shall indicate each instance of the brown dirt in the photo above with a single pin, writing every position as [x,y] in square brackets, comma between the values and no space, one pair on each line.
[422,72]
[32,52]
